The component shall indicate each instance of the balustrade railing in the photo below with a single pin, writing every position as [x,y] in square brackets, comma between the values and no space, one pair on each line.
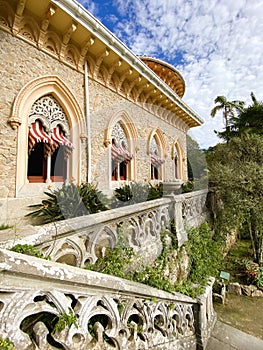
[83,240]
[46,305]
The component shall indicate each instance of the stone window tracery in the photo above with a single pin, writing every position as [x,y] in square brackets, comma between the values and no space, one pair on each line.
[48,143]
[176,163]
[156,159]
[120,155]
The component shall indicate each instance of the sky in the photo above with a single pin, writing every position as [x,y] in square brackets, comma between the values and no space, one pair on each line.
[217,46]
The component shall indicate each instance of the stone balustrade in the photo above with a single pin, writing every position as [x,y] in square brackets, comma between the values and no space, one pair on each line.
[103,312]
[83,240]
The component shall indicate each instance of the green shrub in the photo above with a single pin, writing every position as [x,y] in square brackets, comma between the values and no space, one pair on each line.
[28,250]
[117,260]
[254,273]
[205,259]
[187,187]
[4,227]
[69,201]
[65,320]
[6,344]
[155,191]
[205,252]
[137,192]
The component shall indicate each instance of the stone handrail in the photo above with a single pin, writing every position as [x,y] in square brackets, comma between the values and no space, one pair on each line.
[106,312]
[83,240]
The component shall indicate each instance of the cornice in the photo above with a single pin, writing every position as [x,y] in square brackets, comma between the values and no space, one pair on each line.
[67,31]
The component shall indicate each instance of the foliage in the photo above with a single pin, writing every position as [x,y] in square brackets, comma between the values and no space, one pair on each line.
[116,261]
[205,252]
[233,262]
[4,227]
[155,191]
[28,250]
[187,187]
[6,344]
[137,192]
[247,120]
[254,273]
[65,320]
[228,108]
[236,173]
[259,278]
[69,201]
[205,260]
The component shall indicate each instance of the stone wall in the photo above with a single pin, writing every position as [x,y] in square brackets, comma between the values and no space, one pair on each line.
[21,63]
[105,107]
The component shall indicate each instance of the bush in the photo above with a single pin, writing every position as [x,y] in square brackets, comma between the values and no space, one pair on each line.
[137,193]
[28,250]
[69,201]
[117,261]
[205,252]
[6,344]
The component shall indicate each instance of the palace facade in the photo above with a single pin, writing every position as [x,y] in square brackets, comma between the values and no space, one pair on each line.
[77,104]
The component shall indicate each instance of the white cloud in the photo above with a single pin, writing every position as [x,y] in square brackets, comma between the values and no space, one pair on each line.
[220,43]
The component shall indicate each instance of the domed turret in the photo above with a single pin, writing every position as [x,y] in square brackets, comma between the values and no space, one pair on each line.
[167,73]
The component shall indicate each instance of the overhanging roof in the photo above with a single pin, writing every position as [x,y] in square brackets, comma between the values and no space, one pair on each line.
[80,37]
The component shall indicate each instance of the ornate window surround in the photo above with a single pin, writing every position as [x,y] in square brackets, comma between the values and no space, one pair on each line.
[31,92]
[131,136]
[160,141]
[177,149]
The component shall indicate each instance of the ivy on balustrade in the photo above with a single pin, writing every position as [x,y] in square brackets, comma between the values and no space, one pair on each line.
[203,248]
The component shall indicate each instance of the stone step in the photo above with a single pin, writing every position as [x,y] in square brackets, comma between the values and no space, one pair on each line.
[225,337]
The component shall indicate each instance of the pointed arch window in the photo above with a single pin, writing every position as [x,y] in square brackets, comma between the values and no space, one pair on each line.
[176,163]
[156,160]
[176,156]
[120,155]
[49,146]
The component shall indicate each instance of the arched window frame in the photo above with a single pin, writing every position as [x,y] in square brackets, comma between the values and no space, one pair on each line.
[47,85]
[156,139]
[131,136]
[120,155]
[177,149]
[49,137]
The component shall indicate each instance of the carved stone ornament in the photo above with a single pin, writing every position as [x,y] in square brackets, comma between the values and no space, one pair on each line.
[119,136]
[51,114]
[154,149]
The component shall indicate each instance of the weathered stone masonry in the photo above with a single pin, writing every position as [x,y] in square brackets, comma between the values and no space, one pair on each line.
[21,63]
[59,49]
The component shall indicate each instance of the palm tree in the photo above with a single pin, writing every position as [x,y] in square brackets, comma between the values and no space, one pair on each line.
[250,120]
[228,108]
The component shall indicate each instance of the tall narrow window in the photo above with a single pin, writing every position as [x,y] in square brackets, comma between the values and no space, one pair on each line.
[176,172]
[156,160]
[48,145]
[120,155]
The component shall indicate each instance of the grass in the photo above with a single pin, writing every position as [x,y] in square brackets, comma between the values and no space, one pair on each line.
[239,311]
[234,261]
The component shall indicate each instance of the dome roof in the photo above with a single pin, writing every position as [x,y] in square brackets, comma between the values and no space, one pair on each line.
[167,73]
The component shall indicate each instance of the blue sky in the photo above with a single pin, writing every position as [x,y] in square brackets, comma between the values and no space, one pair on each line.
[216,45]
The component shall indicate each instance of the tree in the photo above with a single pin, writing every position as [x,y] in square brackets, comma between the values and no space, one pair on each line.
[196,158]
[236,172]
[250,119]
[247,120]
[228,108]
